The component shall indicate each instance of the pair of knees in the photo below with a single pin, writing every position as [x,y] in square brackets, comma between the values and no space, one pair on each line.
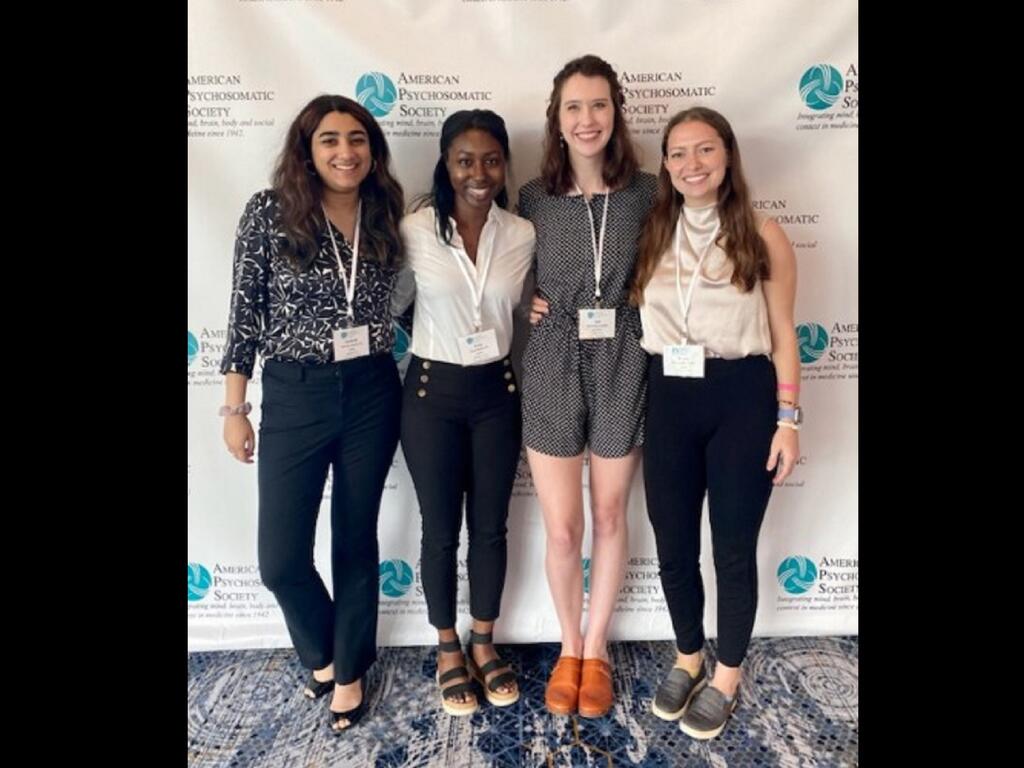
[566,540]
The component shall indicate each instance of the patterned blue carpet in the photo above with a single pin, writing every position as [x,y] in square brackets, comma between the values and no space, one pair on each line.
[798,707]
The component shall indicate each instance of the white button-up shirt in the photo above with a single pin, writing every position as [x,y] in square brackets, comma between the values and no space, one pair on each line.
[445,309]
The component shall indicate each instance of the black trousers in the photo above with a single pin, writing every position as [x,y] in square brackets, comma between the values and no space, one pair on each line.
[344,416]
[710,435]
[461,435]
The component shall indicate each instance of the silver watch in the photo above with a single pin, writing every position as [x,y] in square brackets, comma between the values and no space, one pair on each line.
[796,413]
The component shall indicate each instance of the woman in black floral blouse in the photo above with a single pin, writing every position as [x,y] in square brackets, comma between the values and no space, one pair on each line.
[316,258]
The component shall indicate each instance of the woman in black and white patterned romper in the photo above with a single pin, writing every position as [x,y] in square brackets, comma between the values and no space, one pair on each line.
[588,208]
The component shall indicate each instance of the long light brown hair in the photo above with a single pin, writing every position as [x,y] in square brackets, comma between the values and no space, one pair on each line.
[738,237]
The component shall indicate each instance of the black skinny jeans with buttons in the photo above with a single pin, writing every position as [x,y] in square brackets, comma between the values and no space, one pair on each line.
[461,434]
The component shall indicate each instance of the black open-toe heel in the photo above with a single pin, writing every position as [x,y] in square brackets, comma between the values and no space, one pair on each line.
[315,688]
[353,715]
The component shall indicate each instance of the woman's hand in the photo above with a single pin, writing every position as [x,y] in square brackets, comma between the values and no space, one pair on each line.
[539,307]
[784,452]
[239,437]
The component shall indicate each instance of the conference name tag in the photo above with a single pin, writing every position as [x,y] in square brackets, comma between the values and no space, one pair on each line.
[685,360]
[479,347]
[597,323]
[351,342]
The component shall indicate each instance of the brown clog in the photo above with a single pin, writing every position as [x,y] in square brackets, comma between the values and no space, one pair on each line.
[595,697]
[563,688]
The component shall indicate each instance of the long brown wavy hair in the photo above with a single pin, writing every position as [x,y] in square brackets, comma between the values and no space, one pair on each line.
[619,156]
[299,189]
[742,244]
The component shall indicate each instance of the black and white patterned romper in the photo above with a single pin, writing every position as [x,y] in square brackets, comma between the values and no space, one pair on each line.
[574,391]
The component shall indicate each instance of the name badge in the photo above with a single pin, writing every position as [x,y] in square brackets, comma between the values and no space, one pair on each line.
[479,347]
[686,360]
[597,323]
[351,342]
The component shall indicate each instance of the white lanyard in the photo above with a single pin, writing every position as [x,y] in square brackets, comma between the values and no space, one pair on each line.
[350,284]
[597,240]
[476,289]
[685,308]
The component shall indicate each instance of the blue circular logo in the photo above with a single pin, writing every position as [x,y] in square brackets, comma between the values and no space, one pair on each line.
[820,86]
[199,581]
[812,340]
[401,348]
[376,92]
[193,347]
[797,574]
[586,575]
[395,577]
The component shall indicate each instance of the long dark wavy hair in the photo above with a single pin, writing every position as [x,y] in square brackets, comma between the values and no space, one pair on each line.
[299,189]
[442,194]
[742,244]
[619,156]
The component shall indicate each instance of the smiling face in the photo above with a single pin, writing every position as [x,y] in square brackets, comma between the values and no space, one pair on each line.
[586,115]
[476,168]
[341,152]
[696,161]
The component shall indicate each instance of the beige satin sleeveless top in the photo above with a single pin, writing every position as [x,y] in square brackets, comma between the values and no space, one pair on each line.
[729,323]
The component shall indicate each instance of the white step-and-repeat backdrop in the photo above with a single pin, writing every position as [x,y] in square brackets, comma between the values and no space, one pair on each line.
[785,75]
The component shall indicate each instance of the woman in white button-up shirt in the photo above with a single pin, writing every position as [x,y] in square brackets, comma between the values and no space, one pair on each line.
[467,260]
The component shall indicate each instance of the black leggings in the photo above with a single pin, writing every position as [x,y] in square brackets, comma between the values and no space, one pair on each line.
[345,416]
[461,435]
[710,435]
